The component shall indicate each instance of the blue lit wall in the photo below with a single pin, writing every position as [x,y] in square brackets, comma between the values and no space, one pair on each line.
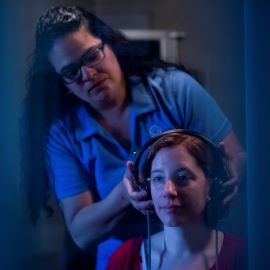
[257,31]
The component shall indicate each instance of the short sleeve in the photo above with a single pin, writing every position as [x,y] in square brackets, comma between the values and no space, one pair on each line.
[193,105]
[67,174]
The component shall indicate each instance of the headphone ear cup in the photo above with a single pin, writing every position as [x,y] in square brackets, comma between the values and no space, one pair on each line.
[146,186]
[143,185]
[215,209]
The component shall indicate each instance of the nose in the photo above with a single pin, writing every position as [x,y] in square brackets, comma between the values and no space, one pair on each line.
[88,73]
[169,188]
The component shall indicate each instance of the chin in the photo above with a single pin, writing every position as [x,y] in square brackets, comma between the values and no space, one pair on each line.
[174,222]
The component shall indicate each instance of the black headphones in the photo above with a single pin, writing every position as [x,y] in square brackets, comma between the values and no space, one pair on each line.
[215,209]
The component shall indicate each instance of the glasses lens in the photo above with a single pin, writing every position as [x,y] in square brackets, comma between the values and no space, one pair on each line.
[71,74]
[93,58]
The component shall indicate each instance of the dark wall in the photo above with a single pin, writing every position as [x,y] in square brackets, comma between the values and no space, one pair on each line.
[11,79]
[257,23]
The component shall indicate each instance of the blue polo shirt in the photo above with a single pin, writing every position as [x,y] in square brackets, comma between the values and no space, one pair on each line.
[81,155]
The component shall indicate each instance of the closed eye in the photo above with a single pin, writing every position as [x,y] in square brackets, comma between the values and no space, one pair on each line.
[69,71]
[91,56]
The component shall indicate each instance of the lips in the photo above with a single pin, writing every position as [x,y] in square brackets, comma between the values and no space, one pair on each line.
[171,207]
[96,85]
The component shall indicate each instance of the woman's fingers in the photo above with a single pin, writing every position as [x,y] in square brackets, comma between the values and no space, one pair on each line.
[228,199]
[137,196]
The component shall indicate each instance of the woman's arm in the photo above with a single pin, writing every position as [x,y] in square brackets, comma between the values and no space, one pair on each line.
[90,222]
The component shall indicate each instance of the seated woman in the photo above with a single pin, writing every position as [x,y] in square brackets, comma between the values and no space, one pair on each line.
[185,172]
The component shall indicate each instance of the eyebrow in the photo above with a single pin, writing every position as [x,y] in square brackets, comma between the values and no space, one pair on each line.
[156,171]
[180,169]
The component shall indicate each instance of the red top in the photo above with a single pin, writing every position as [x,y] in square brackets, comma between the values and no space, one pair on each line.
[231,257]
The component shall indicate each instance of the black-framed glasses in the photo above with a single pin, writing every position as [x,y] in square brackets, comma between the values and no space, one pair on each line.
[90,58]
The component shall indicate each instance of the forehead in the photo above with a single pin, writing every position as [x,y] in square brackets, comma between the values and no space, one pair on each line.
[71,47]
[173,155]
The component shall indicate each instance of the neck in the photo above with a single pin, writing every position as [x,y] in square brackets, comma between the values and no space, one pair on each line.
[187,240]
[115,106]
[113,110]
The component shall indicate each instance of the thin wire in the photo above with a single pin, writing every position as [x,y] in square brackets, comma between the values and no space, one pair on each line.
[148,249]
[216,248]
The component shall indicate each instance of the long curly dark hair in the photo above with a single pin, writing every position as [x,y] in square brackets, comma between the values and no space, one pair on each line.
[47,98]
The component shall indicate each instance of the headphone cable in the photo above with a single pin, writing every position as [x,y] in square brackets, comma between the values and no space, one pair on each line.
[148,248]
[216,248]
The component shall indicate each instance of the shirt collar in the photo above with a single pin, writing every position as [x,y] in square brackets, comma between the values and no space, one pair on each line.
[142,102]
[85,124]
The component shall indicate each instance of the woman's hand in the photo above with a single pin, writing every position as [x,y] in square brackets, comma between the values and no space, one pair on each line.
[236,163]
[136,195]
